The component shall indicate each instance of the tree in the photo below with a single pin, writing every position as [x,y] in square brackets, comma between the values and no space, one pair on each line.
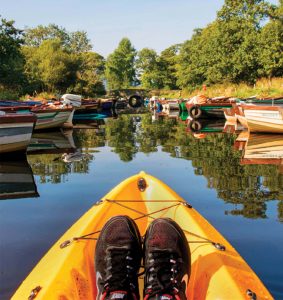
[168,62]
[89,75]
[271,46]
[148,69]
[119,69]
[51,65]
[11,58]
[74,42]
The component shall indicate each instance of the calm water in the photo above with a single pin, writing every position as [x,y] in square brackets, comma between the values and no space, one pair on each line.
[239,191]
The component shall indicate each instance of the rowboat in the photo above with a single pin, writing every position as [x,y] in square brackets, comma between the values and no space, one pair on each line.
[53,117]
[15,131]
[201,107]
[264,118]
[47,117]
[67,270]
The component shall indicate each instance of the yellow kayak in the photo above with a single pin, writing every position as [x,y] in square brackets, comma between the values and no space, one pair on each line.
[67,270]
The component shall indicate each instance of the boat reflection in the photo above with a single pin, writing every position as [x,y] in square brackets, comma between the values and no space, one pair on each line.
[16,180]
[52,142]
[261,149]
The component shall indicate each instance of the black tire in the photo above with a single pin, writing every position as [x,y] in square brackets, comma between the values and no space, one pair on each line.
[195,126]
[135,101]
[195,112]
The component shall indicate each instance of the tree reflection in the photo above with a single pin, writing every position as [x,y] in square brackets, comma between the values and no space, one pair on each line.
[247,187]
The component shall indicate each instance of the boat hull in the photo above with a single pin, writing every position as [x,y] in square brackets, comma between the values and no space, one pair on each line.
[15,132]
[67,270]
[264,118]
[52,118]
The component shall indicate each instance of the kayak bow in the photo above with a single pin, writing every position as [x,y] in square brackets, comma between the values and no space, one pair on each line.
[67,270]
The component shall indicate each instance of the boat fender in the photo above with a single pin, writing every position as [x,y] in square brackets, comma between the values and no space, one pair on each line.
[195,112]
[141,184]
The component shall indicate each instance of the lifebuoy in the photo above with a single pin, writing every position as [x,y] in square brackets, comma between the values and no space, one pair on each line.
[195,112]
[135,101]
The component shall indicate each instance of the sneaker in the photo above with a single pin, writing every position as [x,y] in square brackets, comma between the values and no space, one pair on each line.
[167,261]
[117,260]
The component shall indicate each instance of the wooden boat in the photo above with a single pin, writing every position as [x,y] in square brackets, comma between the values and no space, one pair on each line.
[47,116]
[16,180]
[15,131]
[208,108]
[230,115]
[267,101]
[264,118]
[53,117]
[217,269]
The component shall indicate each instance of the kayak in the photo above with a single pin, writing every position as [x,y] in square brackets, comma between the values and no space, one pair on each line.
[217,269]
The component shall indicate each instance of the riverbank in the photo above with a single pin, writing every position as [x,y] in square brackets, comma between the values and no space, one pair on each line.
[262,88]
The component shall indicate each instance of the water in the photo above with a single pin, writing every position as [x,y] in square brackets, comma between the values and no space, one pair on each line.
[65,173]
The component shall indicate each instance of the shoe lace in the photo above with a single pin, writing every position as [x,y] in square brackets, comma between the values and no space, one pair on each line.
[120,271]
[161,274]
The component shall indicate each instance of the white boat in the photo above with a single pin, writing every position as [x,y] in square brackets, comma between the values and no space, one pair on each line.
[15,131]
[264,118]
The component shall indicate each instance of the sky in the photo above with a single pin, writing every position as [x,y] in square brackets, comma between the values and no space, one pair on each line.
[155,24]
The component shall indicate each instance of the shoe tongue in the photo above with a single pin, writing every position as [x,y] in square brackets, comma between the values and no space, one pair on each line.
[118,295]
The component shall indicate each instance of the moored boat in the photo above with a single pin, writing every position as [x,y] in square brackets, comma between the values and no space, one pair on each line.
[201,107]
[15,131]
[217,270]
[264,118]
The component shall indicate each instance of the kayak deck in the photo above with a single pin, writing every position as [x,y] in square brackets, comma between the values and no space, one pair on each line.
[217,270]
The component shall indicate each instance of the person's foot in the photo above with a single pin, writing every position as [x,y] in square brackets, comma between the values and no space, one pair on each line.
[117,259]
[167,261]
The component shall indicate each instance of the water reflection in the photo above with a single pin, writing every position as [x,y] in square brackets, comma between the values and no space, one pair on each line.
[245,170]
[16,180]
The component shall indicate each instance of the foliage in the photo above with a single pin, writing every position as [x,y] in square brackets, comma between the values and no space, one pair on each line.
[148,69]
[89,75]
[75,42]
[11,59]
[49,66]
[6,94]
[119,68]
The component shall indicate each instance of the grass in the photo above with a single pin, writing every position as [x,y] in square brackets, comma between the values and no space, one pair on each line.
[263,88]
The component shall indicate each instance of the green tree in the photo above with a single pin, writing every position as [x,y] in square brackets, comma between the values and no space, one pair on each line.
[119,68]
[75,42]
[89,75]
[51,66]
[148,69]
[271,49]
[168,62]
[11,58]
